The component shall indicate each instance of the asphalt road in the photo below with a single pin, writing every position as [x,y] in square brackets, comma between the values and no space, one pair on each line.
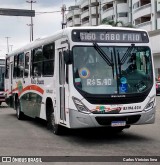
[31,138]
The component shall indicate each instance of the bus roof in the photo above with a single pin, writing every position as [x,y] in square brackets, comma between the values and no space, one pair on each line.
[65,32]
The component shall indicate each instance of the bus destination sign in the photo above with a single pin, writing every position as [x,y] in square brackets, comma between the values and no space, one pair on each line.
[110,36]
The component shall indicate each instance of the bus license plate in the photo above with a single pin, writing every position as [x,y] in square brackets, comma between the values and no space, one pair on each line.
[118,123]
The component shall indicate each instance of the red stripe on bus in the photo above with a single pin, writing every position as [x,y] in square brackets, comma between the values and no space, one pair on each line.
[14,89]
[32,87]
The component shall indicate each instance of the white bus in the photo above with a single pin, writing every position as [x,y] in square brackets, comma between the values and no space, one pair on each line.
[2,71]
[84,77]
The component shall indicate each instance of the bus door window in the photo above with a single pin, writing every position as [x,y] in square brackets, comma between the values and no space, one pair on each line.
[62,87]
[61,69]
[37,62]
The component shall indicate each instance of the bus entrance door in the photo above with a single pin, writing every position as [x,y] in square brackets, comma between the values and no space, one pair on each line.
[62,89]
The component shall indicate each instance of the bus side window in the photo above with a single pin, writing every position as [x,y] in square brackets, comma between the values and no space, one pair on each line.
[48,59]
[37,62]
[15,67]
[26,69]
[20,65]
[7,68]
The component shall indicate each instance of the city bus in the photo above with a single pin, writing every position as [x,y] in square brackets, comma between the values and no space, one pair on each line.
[2,70]
[83,77]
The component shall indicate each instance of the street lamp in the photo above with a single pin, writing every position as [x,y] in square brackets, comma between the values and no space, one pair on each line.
[31,24]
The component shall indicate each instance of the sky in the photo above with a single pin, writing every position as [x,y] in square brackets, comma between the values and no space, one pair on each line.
[16,27]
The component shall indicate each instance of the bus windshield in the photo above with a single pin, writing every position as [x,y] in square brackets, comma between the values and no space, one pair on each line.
[2,70]
[112,69]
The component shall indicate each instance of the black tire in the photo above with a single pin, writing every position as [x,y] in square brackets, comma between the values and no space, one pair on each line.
[51,124]
[19,113]
[0,103]
[15,102]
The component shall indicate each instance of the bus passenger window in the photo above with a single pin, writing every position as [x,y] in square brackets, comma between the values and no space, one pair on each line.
[37,62]
[15,67]
[20,65]
[26,69]
[48,61]
[7,68]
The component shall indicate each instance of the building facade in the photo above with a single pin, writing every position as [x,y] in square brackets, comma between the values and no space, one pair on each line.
[143,14]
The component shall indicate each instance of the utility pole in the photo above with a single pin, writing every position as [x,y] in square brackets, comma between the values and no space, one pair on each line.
[63,10]
[31,25]
[30,30]
[7,44]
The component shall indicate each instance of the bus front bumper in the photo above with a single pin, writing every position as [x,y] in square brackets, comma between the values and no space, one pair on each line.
[82,120]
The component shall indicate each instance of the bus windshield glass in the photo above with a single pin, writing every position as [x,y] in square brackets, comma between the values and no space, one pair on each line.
[112,69]
[2,70]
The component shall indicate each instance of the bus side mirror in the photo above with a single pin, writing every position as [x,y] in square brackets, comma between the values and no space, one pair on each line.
[67,57]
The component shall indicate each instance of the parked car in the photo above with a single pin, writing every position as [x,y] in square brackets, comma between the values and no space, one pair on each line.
[157,87]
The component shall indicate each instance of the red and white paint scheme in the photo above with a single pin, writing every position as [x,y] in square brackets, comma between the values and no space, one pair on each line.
[84,77]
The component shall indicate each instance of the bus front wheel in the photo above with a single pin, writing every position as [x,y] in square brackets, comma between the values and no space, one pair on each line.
[51,123]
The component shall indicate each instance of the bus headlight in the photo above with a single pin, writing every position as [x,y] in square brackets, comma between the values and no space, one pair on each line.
[80,106]
[150,104]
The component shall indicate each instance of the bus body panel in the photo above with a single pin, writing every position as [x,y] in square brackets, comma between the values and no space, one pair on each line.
[60,91]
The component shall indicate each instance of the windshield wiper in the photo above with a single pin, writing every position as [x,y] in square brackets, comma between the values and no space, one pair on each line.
[126,55]
[105,56]
[124,58]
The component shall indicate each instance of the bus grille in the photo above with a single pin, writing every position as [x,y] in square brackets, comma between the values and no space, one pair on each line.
[105,100]
[107,120]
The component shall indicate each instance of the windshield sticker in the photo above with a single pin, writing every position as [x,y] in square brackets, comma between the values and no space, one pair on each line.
[84,73]
[123,85]
[99,82]
[77,81]
[141,86]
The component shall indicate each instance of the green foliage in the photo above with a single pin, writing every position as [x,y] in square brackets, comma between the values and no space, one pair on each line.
[106,21]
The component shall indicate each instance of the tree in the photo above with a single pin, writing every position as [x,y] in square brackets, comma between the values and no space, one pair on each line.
[117,23]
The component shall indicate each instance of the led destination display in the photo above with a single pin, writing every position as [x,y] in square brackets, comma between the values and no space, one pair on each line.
[109,36]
